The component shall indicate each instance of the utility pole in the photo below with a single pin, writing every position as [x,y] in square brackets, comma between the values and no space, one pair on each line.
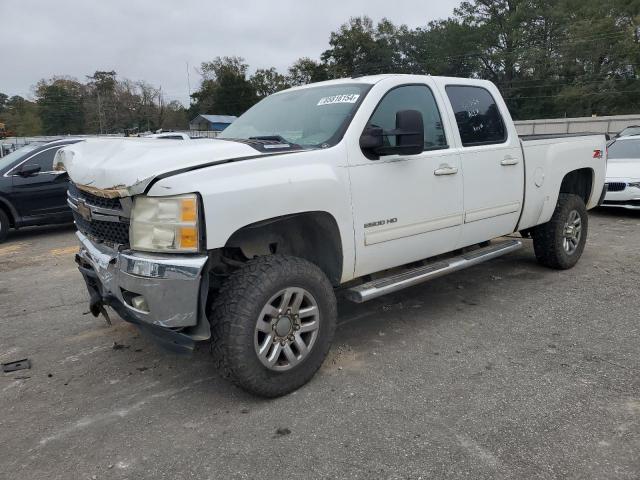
[188,83]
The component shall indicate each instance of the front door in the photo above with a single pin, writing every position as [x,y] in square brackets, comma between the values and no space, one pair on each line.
[43,193]
[406,208]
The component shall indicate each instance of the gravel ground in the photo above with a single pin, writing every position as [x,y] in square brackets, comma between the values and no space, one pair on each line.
[506,370]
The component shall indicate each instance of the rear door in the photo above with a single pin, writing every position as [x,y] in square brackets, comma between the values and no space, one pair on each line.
[43,193]
[491,161]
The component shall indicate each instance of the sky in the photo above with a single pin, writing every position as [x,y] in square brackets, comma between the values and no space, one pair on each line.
[155,40]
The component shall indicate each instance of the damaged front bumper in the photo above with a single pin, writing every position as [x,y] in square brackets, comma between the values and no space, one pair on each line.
[164,295]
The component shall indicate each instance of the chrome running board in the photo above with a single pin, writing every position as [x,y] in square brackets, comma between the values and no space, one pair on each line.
[393,283]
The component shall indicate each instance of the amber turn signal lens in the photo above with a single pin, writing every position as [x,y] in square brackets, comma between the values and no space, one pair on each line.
[188,210]
[188,237]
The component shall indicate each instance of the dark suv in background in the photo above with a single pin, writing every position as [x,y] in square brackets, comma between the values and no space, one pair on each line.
[31,193]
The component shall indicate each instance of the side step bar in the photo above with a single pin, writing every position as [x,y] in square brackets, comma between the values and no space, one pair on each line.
[393,283]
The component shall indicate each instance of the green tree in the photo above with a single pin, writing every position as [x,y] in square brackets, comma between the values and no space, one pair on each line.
[359,47]
[267,81]
[305,70]
[225,89]
[60,103]
[20,116]
[3,101]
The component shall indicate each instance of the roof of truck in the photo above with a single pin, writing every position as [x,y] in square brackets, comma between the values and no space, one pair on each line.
[373,79]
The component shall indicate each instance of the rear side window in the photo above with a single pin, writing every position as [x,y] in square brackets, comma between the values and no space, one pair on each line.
[478,117]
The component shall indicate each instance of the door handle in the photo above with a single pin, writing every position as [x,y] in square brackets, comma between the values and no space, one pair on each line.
[509,160]
[445,170]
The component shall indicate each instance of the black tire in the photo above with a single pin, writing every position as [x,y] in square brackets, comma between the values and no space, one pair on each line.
[4,226]
[237,310]
[549,239]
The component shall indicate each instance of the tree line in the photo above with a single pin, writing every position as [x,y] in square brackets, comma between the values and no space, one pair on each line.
[101,104]
[550,58]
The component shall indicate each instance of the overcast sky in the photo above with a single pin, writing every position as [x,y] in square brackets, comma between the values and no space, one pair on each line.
[153,40]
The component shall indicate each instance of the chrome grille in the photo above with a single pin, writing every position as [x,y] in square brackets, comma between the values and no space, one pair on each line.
[94,200]
[110,232]
[102,219]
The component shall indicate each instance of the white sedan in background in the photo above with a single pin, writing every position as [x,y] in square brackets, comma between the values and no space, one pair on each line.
[623,174]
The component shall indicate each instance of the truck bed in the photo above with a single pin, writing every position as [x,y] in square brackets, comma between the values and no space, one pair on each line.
[548,158]
[552,136]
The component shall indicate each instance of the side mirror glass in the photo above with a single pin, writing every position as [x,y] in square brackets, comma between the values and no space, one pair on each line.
[409,132]
[29,170]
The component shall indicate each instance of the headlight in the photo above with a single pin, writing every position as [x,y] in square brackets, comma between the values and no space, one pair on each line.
[634,184]
[165,224]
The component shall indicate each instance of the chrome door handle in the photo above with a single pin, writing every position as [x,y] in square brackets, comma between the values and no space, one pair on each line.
[509,160]
[445,170]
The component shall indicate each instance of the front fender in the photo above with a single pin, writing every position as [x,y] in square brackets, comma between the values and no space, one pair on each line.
[238,194]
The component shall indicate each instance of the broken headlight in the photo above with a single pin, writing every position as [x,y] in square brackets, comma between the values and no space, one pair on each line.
[165,224]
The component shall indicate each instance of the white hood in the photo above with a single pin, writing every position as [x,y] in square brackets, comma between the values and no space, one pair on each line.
[623,169]
[128,165]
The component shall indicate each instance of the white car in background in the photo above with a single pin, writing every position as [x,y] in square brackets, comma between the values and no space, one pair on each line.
[623,174]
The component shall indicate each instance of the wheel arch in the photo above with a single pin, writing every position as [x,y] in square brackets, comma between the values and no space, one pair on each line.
[11,212]
[579,182]
[314,236]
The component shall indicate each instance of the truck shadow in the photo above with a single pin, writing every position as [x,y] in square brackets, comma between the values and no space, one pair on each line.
[380,325]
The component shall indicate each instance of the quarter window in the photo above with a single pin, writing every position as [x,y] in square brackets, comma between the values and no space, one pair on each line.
[478,117]
[411,97]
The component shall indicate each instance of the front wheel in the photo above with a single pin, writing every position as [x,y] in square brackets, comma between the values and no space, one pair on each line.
[559,243]
[4,226]
[273,323]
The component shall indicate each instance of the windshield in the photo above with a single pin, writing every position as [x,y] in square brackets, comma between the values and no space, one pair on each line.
[13,156]
[630,131]
[310,117]
[624,149]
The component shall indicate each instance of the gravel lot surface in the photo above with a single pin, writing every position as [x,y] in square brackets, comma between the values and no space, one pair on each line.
[506,370]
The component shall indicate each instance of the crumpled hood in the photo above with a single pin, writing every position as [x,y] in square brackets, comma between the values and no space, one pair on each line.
[623,169]
[128,165]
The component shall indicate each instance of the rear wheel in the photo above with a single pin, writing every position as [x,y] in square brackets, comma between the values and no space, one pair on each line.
[4,226]
[273,323]
[560,242]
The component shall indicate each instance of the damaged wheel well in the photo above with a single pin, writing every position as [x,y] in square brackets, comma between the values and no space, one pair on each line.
[313,236]
[579,182]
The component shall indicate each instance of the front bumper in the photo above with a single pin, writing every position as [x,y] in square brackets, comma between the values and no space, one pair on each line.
[173,287]
[624,195]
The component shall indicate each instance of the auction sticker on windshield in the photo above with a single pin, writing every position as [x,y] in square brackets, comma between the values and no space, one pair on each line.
[350,98]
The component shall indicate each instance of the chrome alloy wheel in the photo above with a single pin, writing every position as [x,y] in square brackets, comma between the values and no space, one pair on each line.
[572,233]
[287,329]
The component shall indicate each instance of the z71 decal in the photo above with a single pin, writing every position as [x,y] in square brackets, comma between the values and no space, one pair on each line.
[380,223]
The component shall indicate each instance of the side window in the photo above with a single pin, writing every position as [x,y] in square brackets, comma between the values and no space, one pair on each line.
[411,97]
[478,116]
[44,159]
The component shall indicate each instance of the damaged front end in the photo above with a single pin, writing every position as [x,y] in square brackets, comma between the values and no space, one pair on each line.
[163,294]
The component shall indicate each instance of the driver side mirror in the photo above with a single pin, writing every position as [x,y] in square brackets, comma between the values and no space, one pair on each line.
[409,133]
[29,170]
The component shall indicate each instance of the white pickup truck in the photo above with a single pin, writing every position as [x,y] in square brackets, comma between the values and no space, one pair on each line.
[362,185]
